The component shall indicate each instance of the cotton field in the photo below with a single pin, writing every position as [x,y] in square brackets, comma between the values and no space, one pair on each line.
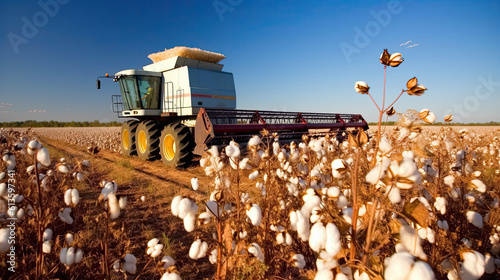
[103,137]
[396,202]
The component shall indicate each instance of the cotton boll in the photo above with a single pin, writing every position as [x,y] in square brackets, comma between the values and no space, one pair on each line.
[489,264]
[143,198]
[361,275]
[475,218]
[86,163]
[473,266]
[315,214]
[256,251]
[80,176]
[78,255]
[317,237]
[394,195]
[194,250]
[443,224]
[254,213]
[253,175]
[230,151]
[411,242]
[378,172]
[203,250]
[302,226]
[288,239]
[332,244]
[399,266]
[205,217]
[47,247]
[440,204]
[298,261]
[244,164]
[471,197]
[324,274]
[342,202]
[213,256]
[167,261]
[333,192]
[67,197]
[43,157]
[313,201]
[254,141]
[47,234]
[65,216]
[194,183]
[431,236]
[114,207]
[153,242]
[116,266]
[190,222]
[157,250]
[174,206]
[449,180]
[129,258]
[130,268]
[70,256]
[75,196]
[69,238]
[478,185]
[150,250]
[341,276]
[347,215]
[421,271]
[184,207]
[33,144]
[293,220]
[122,202]
[63,168]
[214,151]
[62,255]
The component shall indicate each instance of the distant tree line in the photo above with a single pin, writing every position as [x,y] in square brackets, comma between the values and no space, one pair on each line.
[33,123]
[491,123]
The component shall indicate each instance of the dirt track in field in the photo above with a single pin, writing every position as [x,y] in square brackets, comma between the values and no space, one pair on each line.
[152,218]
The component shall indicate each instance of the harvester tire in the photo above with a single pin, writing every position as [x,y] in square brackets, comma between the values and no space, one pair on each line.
[128,138]
[147,140]
[176,145]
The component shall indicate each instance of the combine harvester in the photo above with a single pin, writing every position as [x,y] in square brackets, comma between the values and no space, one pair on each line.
[183,102]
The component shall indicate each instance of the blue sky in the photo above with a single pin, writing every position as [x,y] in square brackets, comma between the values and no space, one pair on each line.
[285,55]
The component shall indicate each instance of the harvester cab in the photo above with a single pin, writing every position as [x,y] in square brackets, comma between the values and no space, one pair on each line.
[183,102]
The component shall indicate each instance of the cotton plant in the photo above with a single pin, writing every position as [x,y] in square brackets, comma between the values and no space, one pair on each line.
[47,241]
[71,197]
[186,209]
[70,256]
[154,248]
[128,264]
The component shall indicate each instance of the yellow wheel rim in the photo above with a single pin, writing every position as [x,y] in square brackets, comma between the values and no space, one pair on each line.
[169,147]
[142,141]
[125,137]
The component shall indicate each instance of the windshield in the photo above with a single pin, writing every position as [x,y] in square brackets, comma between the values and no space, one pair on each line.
[140,92]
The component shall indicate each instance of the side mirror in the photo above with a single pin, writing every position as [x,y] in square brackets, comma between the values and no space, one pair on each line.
[98,84]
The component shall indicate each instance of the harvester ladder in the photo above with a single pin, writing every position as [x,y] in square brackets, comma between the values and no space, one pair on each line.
[173,100]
